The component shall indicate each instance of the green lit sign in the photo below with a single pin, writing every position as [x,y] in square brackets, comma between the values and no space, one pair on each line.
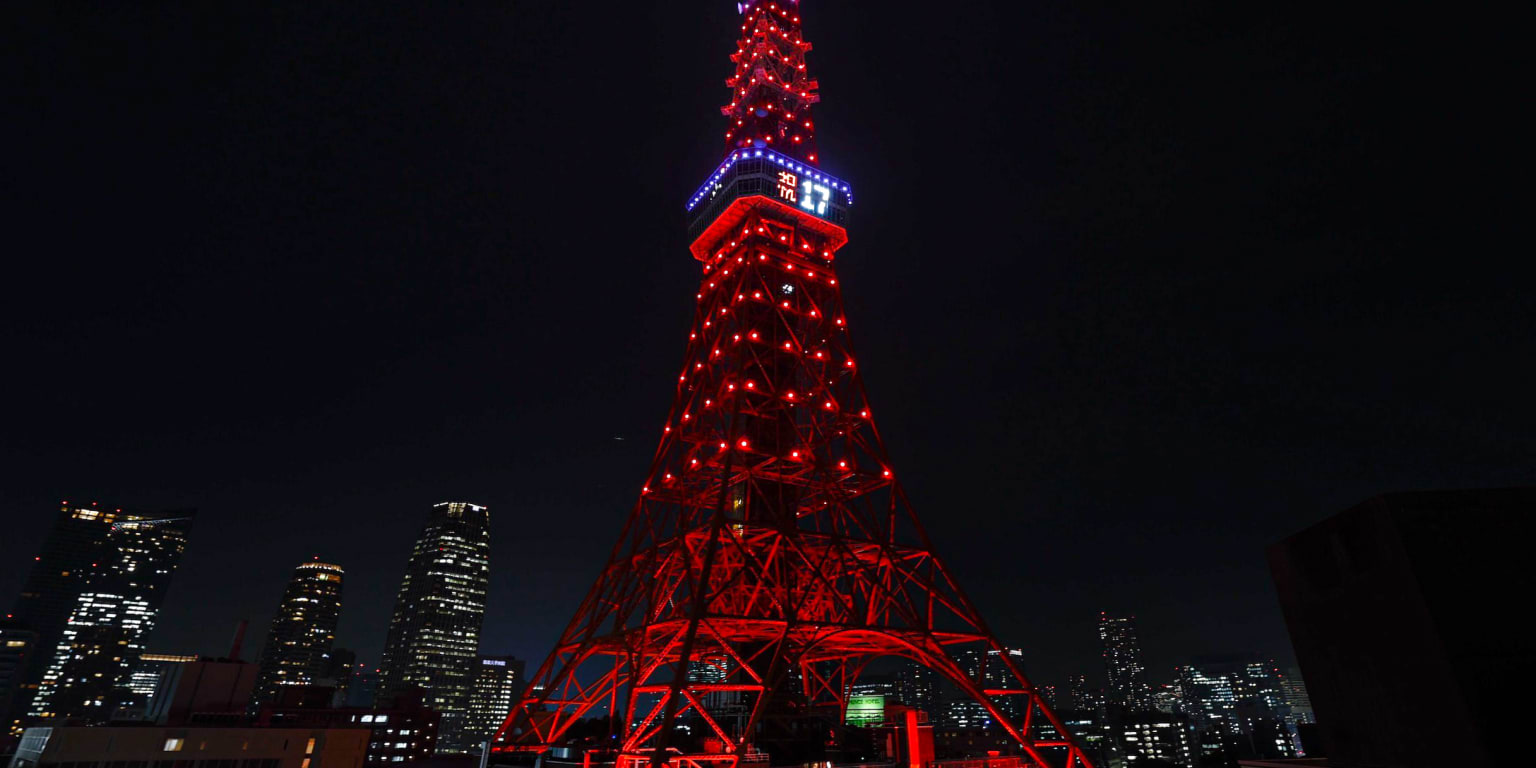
[866,710]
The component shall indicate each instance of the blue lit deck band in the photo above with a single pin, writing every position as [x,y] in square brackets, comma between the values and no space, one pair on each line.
[788,163]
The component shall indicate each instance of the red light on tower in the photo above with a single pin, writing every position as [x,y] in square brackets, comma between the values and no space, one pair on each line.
[776,528]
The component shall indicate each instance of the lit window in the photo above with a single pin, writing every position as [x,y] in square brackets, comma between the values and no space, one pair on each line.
[174,745]
[309,748]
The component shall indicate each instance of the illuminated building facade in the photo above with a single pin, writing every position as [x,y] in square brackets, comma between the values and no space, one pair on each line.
[434,632]
[771,528]
[1294,689]
[1123,664]
[151,682]
[298,647]
[498,682]
[1081,696]
[1240,701]
[76,545]
[89,671]
[1148,736]
[917,687]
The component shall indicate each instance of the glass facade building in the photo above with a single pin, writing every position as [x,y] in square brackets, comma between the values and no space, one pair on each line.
[298,647]
[128,559]
[434,632]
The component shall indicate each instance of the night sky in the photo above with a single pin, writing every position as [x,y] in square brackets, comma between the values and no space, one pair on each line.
[1136,289]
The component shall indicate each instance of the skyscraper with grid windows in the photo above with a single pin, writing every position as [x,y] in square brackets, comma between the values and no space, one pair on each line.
[434,632]
[298,647]
[1123,664]
[110,569]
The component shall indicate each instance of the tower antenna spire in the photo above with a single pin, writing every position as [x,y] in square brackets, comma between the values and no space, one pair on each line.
[771,89]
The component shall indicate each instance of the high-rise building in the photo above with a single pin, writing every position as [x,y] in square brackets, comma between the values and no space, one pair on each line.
[77,545]
[989,671]
[1157,736]
[1405,612]
[1122,662]
[1080,696]
[114,607]
[498,683]
[298,648]
[916,687]
[1240,699]
[1295,692]
[434,633]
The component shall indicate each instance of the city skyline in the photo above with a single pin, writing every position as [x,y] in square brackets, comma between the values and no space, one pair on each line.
[1235,383]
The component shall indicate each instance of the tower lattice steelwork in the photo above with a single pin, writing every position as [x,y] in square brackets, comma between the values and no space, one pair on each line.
[771,539]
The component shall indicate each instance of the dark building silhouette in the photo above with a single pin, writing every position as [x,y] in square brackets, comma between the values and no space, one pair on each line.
[340,671]
[1123,664]
[402,730]
[93,597]
[18,644]
[298,647]
[363,690]
[1404,612]
[206,691]
[434,632]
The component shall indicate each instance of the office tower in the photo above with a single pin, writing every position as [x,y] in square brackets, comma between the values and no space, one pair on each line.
[1122,662]
[1404,612]
[498,683]
[1239,698]
[988,671]
[434,633]
[151,682]
[298,645]
[1295,693]
[916,687]
[1079,695]
[114,609]
[75,547]
[1149,736]
[1049,693]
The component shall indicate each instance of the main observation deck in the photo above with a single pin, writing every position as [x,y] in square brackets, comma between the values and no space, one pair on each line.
[750,178]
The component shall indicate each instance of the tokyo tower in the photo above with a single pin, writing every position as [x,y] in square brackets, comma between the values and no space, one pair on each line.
[772,555]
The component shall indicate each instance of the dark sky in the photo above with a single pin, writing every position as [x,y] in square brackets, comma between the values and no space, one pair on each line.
[1137,288]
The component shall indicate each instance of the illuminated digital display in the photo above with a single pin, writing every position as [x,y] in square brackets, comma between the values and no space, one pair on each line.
[763,172]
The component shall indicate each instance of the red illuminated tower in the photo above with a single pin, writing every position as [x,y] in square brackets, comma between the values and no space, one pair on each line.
[772,553]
